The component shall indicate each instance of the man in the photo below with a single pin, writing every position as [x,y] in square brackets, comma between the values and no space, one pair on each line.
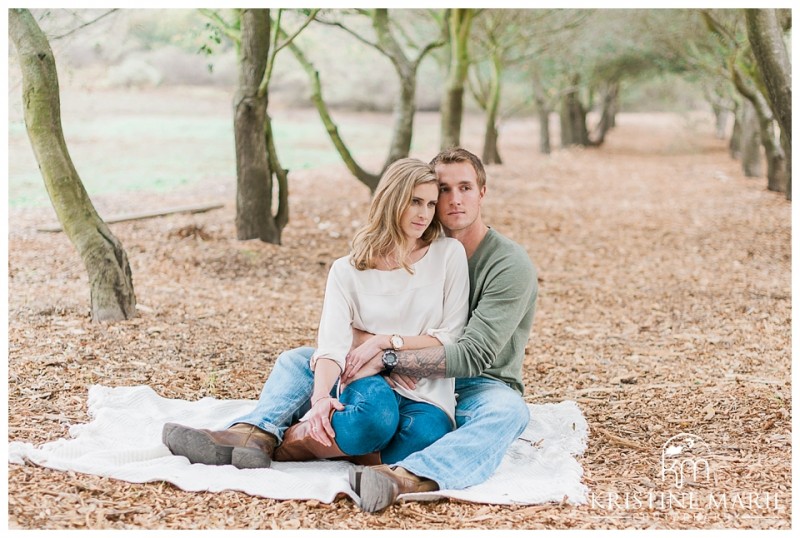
[486,362]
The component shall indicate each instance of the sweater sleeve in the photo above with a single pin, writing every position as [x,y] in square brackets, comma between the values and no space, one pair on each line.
[335,334]
[510,286]
[456,296]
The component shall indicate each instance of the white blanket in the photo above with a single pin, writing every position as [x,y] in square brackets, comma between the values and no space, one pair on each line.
[123,441]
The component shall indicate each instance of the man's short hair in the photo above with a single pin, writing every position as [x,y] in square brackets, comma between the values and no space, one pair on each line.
[460,155]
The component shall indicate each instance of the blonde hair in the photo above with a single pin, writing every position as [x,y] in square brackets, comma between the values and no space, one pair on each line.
[383,234]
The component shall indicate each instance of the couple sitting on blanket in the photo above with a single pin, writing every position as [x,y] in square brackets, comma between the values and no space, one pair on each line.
[417,374]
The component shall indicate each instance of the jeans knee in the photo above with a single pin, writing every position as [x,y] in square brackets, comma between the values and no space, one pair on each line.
[370,418]
[521,415]
[506,411]
[295,358]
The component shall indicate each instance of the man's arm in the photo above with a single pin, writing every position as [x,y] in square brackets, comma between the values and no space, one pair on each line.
[428,362]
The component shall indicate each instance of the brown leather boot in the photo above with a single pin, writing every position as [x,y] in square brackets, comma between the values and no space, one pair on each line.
[362,462]
[298,445]
[380,486]
[243,445]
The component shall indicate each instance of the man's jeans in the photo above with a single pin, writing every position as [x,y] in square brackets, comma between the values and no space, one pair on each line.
[375,417]
[489,417]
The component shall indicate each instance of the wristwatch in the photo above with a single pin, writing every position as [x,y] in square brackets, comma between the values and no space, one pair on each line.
[397,342]
[389,361]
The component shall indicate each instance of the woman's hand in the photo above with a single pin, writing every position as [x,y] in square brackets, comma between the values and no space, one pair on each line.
[362,354]
[319,417]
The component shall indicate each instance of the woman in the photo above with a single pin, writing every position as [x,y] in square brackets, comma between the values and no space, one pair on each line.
[408,286]
[404,284]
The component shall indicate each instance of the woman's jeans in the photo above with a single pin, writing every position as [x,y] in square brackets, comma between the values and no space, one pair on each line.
[375,417]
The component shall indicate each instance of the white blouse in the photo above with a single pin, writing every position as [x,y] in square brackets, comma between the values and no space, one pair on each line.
[433,301]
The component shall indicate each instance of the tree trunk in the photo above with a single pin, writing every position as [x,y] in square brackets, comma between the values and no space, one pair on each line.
[452,113]
[735,143]
[452,109]
[406,70]
[777,174]
[787,149]
[404,110]
[766,38]
[491,155]
[573,119]
[776,159]
[110,279]
[282,175]
[544,130]
[720,121]
[543,109]
[608,116]
[253,173]
[751,141]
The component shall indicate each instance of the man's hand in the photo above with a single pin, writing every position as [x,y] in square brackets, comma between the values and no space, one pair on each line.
[320,419]
[400,380]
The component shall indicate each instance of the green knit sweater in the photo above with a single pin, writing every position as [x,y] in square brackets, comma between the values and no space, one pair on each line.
[503,288]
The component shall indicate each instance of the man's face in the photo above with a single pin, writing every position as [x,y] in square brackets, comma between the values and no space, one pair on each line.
[460,199]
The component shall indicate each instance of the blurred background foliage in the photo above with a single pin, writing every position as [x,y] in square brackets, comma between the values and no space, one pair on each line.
[134,48]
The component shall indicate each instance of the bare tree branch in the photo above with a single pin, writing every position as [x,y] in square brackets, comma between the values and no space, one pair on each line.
[84,25]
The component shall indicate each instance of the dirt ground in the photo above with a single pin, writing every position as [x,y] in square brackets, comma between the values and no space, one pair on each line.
[664,308]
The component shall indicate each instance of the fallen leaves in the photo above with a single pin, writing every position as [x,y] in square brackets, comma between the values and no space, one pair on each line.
[643,318]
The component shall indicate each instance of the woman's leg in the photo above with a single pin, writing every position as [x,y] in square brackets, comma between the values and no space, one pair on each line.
[370,416]
[421,424]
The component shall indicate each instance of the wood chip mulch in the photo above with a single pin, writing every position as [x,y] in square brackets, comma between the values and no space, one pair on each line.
[664,308]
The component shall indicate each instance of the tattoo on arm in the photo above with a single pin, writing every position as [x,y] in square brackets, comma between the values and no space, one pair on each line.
[419,363]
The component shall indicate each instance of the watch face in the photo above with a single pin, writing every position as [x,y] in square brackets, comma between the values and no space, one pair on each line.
[389,358]
[397,342]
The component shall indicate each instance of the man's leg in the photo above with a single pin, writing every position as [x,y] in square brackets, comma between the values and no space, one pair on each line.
[250,440]
[421,425]
[489,417]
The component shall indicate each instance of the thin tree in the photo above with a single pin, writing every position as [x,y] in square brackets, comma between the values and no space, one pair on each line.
[766,39]
[258,169]
[105,260]
[459,27]
[406,55]
[731,43]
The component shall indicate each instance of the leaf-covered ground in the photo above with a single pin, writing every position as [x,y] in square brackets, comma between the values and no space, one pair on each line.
[664,308]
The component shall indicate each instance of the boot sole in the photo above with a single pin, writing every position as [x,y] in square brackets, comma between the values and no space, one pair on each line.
[354,477]
[250,458]
[195,445]
[377,491]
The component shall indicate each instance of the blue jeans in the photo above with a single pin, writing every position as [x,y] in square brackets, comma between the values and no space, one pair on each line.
[375,417]
[489,417]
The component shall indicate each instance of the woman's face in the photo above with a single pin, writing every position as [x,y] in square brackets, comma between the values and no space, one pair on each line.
[418,215]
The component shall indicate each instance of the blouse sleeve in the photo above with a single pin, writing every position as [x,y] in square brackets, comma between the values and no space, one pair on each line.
[335,335]
[456,296]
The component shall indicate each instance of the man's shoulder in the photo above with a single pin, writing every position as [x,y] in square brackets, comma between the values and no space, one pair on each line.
[501,247]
